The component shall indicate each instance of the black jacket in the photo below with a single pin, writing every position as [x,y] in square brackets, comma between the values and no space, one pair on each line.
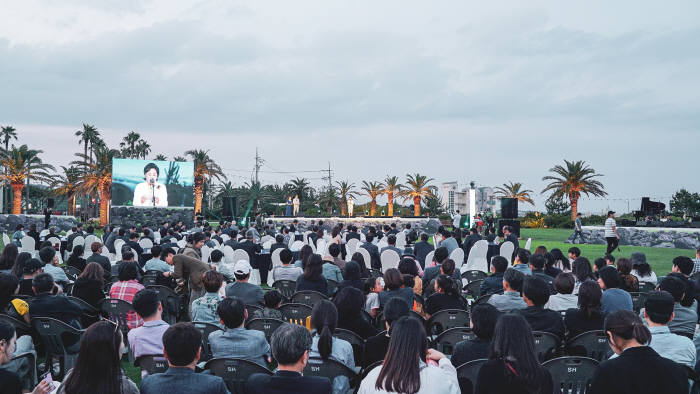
[469,350]
[277,246]
[253,249]
[35,235]
[374,254]
[287,382]
[469,243]
[541,319]
[350,235]
[492,284]
[104,262]
[89,291]
[356,324]
[57,307]
[421,249]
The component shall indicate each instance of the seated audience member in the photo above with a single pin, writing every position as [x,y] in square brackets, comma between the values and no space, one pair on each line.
[313,278]
[494,282]
[330,270]
[147,339]
[45,304]
[126,288]
[628,282]
[219,264]
[549,267]
[639,369]
[394,288]
[18,268]
[522,262]
[376,346]
[446,296]
[433,270]
[10,382]
[581,268]
[537,263]
[304,253]
[446,268]
[609,259]
[684,318]
[408,266]
[182,346]
[286,271]
[613,298]
[658,312]
[536,295]
[352,277]
[482,322]
[404,369]
[349,302]
[9,305]
[48,256]
[513,366]
[588,316]
[598,264]
[510,299]
[324,320]
[249,293]
[31,268]
[682,267]
[563,299]
[76,258]
[422,248]
[273,300]
[290,345]
[560,262]
[334,252]
[88,286]
[372,288]
[641,269]
[8,257]
[235,341]
[358,258]
[574,253]
[163,263]
[103,261]
[204,308]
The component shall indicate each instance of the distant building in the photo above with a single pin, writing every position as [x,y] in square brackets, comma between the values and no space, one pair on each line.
[454,198]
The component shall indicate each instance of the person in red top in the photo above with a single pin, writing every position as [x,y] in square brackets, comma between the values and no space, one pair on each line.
[126,288]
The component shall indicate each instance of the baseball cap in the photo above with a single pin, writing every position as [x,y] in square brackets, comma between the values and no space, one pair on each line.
[609,212]
[242,267]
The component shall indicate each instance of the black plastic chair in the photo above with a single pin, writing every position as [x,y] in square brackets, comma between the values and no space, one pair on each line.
[367,316]
[117,311]
[267,326]
[472,288]
[370,367]
[638,300]
[72,273]
[295,313]
[591,344]
[473,275]
[358,344]
[251,310]
[152,363]
[21,327]
[205,329]
[89,315]
[467,374]
[645,287]
[286,287]
[330,369]
[170,302]
[572,374]
[546,345]
[27,375]
[446,341]
[234,371]
[307,297]
[445,319]
[418,299]
[150,278]
[60,341]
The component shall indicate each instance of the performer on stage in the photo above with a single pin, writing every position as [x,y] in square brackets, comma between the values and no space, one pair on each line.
[351,205]
[295,203]
[47,217]
[150,193]
[611,235]
[288,210]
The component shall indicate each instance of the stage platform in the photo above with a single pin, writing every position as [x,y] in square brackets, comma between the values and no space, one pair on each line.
[688,230]
[354,219]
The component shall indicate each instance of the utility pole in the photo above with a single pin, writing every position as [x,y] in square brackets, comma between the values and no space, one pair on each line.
[330,183]
[258,162]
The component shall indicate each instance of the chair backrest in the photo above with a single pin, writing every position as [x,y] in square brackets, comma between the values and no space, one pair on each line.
[251,310]
[295,313]
[89,240]
[150,278]
[473,288]
[240,254]
[528,244]
[181,243]
[506,250]
[286,287]
[307,297]
[429,257]
[116,310]
[446,341]
[365,254]
[591,344]
[43,232]
[5,239]
[206,252]
[546,345]
[321,247]
[358,344]
[267,244]
[235,372]
[638,300]
[152,363]
[205,329]
[330,369]
[401,240]
[645,287]
[332,286]
[170,302]
[571,374]
[446,319]
[20,325]
[389,259]
[266,325]
[351,246]
[54,241]
[71,272]
[477,257]
[467,374]
[473,275]
[28,244]
[53,333]
[28,375]
[78,241]
[457,256]
[266,238]
[228,254]
[275,257]
[296,246]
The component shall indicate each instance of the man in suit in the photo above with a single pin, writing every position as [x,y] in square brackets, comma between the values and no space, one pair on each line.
[391,245]
[352,233]
[469,242]
[290,347]
[279,243]
[373,251]
[98,258]
[509,236]
[134,244]
[422,248]
[448,241]
[433,272]
[182,348]
[253,248]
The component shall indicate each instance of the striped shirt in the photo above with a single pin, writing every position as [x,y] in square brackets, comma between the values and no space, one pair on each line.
[609,225]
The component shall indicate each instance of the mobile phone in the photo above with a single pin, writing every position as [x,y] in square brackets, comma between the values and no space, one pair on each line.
[48,379]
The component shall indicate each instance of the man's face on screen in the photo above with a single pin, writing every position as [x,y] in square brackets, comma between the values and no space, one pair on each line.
[151,174]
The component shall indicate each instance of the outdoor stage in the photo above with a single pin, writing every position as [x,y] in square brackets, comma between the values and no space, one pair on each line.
[359,220]
[657,237]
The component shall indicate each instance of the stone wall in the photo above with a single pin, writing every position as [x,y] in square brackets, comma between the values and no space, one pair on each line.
[150,216]
[636,237]
[60,222]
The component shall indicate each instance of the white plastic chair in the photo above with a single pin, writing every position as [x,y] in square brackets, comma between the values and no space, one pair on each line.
[296,246]
[145,243]
[365,254]
[28,244]
[382,243]
[477,257]
[225,237]
[266,238]
[528,244]
[267,244]
[351,247]
[401,240]
[506,250]
[206,252]
[228,254]
[429,258]
[54,241]
[276,262]
[321,247]
[182,243]
[389,259]
[5,239]
[89,240]
[43,233]
[457,256]
[240,254]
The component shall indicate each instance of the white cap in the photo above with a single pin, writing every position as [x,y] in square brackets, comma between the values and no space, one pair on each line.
[242,267]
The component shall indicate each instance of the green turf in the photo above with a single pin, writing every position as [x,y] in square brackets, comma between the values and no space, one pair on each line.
[134,373]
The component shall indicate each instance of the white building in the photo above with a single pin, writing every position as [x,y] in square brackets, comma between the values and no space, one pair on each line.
[454,198]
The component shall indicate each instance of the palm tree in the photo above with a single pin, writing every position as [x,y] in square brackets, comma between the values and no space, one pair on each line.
[573,180]
[96,177]
[128,144]
[23,164]
[161,157]
[143,148]
[64,185]
[417,189]
[345,189]
[298,186]
[8,133]
[328,197]
[512,190]
[88,135]
[373,190]
[204,167]
[391,187]
[179,158]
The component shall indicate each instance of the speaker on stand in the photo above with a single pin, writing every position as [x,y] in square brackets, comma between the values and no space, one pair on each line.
[230,207]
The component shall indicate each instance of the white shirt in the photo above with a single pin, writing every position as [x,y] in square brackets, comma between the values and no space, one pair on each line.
[433,380]
[143,189]
[456,218]
[609,224]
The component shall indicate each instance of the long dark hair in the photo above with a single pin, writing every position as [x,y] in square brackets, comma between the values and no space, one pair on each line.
[643,269]
[582,269]
[349,302]
[8,286]
[558,255]
[8,256]
[97,369]
[74,257]
[400,371]
[324,318]
[18,268]
[514,344]
[359,259]
[304,255]
[447,285]
[589,296]
[314,268]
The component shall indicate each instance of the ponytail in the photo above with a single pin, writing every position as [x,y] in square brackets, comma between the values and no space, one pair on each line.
[324,318]
[325,343]
[627,325]
[641,333]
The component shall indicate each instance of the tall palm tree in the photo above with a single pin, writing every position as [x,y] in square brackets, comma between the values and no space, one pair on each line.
[573,180]
[88,135]
[392,187]
[345,190]
[64,185]
[96,177]
[328,197]
[417,189]
[373,190]
[143,148]
[23,164]
[299,186]
[161,157]
[204,167]
[128,144]
[7,134]
[179,158]
[513,190]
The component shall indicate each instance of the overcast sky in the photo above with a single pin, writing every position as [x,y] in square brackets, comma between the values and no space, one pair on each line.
[464,90]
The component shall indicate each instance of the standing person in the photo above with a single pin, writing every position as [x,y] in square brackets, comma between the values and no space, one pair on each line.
[47,217]
[288,209]
[456,220]
[611,235]
[295,203]
[578,229]
[351,205]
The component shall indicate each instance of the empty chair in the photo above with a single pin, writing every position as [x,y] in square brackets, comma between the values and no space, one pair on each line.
[229,255]
[240,254]
[286,287]
[506,250]
[457,256]
[117,311]
[351,246]
[234,371]
[473,275]
[366,256]
[307,297]
[477,257]
[389,259]
[206,252]
[591,344]
[401,240]
[571,375]
[546,345]
[321,247]
[5,239]
[28,244]
[446,319]
[296,246]
[472,288]
[446,341]
[295,313]
[528,244]
[429,258]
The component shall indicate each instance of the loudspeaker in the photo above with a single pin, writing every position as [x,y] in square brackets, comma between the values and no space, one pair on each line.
[230,208]
[49,203]
[509,208]
[508,222]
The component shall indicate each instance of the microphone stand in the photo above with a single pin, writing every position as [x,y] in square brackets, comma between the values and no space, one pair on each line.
[153,194]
